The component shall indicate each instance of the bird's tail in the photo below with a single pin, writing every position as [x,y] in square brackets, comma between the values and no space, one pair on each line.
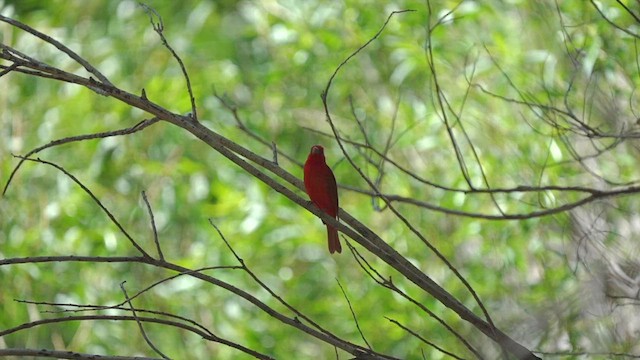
[334,240]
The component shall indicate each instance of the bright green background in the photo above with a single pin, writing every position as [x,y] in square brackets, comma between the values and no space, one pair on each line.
[539,280]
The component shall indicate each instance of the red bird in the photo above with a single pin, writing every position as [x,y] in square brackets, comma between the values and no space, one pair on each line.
[323,191]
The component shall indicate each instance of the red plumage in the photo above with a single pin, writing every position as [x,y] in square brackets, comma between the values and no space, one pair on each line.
[323,191]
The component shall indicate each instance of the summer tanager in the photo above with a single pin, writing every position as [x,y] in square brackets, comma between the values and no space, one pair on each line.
[323,191]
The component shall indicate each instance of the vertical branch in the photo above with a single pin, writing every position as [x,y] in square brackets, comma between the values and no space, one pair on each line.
[353,314]
[158,27]
[135,316]
[153,225]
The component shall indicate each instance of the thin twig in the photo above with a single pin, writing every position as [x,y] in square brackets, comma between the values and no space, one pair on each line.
[130,130]
[48,39]
[8,69]
[387,283]
[63,354]
[274,151]
[144,319]
[241,125]
[153,225]
[424,340]
[623,29]
[353,314]
[95,199]
[158,27]
[135,316]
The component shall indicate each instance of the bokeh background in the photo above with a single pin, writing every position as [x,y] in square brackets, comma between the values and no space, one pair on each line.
[546,280]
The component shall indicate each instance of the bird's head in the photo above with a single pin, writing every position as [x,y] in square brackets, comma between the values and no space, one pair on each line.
[317,149]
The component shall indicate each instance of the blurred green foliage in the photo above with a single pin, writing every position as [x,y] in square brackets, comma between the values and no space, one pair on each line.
[273,60]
